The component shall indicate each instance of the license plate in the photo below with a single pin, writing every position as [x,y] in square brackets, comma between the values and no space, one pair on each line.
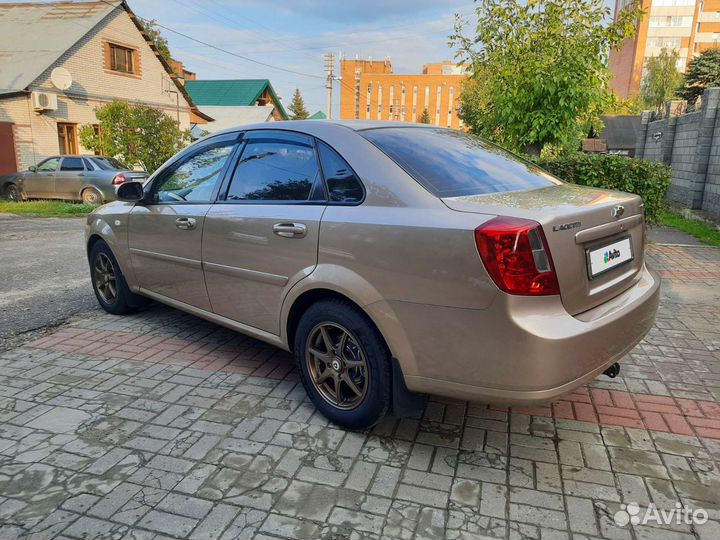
[609,256]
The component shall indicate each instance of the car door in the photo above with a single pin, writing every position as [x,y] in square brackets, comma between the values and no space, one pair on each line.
[40,183]
[164,233]
[69,178]
[261,236]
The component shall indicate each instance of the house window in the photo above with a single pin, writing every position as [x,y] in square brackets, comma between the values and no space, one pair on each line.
[414,107]
[379,110]
[437,105]
[122,59]
[67,138]
[367,97]
[392,102]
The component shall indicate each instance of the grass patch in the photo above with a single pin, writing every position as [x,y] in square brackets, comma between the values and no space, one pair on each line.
[699,229]
[46,208]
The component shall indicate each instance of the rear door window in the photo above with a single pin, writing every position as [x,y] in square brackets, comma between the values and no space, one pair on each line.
[451,163]
[72,164]
[277,166]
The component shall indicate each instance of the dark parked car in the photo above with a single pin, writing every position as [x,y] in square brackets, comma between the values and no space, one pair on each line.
[90,179]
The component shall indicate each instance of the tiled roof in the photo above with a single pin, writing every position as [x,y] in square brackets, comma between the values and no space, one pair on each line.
[34,35]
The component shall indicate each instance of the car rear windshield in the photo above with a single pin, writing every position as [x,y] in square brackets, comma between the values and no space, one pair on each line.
[451,163]
[109,164]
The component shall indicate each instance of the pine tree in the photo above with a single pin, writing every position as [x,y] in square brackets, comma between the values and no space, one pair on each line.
[703,71]
[297,107]
[425,118]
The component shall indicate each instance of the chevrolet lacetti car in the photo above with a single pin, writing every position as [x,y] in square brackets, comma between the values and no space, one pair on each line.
[391,259]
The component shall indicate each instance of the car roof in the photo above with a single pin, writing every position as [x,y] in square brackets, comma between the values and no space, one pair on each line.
[75,156]
[319,127]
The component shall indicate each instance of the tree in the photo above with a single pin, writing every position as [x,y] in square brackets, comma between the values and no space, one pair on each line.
[424,117]
[617,105]
[543,65]
[297,107]
[161,43]
[703,72]
[661,79]
[134,134]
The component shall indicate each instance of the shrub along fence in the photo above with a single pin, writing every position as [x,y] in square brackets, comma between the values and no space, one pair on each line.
[648,179]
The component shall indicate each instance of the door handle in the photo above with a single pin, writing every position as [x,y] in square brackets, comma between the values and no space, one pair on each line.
[290,230]
[185,223]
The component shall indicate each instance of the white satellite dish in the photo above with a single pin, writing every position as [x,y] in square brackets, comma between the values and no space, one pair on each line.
[61,78]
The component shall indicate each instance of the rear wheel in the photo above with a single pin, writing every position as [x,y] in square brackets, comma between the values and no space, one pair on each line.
[344,364]
[111,289]
[91,196]
[12,193]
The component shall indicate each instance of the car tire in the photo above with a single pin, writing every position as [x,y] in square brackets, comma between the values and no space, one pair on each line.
[349,381]
[12,193]
[109,285]
[91,196]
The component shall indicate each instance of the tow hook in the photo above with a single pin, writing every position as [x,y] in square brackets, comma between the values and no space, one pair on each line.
[612,371]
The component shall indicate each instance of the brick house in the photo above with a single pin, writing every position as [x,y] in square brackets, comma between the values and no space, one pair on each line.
[60,61]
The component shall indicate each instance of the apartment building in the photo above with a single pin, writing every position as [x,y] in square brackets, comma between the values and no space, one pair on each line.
[371,91]
[687,26]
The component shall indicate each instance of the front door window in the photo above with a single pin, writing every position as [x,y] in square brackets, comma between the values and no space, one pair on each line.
[49,165]
[195,179]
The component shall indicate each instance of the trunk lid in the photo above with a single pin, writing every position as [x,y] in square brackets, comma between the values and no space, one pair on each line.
[577,220]
[135,176]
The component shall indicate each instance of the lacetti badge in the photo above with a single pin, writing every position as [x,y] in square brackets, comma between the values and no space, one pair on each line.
[566,226]
[611,255]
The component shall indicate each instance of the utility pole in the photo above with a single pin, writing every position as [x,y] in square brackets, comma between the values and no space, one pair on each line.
[330,70]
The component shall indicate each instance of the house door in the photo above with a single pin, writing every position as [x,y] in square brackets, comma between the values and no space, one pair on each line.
[67,138]
[8,163]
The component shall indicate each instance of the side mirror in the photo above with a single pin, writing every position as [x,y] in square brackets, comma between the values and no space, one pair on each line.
[130,192]
[32,168]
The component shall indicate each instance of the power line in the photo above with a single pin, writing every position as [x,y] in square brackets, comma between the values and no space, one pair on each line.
[231,53]
[246,58]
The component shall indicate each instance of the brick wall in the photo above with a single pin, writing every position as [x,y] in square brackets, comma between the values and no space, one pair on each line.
[690,144]
[36,135]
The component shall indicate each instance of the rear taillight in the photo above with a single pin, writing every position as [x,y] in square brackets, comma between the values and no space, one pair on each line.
[516,256]
[119,179]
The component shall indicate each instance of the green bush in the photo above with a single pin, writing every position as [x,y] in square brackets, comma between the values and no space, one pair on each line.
[648,179]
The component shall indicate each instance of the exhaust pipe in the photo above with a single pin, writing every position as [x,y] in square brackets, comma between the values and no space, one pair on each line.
[612,371]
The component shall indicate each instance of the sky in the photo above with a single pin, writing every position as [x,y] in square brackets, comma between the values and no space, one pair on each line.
[295,35]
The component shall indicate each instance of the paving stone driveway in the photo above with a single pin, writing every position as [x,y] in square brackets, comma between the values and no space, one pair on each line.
[161,425]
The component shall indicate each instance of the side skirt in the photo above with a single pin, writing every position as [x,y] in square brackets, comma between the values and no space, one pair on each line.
[248,330]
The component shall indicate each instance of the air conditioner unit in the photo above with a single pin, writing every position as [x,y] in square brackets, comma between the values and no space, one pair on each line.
[44,101]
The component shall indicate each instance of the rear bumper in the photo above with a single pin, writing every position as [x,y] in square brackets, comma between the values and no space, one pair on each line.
[521,350]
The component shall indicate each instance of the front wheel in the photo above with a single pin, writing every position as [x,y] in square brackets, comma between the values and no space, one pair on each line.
[12,193]
[344,364]
[111,289]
